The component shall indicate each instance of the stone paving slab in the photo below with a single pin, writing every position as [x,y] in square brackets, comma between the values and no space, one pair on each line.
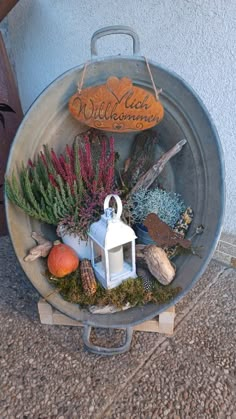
[211,328]
[173,387]
[193,373]
[211,275]
[46,373]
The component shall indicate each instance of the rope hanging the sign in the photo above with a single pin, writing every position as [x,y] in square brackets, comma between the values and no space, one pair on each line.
[81,83]
[157,91]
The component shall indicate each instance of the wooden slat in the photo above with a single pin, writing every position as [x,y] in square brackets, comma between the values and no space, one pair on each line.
[164,323]
[8,95]
[5,7]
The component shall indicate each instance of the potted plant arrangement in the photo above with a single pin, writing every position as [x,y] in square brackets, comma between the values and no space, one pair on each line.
[69,190]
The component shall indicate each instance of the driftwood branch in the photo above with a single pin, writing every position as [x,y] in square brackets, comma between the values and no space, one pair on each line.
[159,265]
[154,259]
[148,178]
[42,248]
[141,159]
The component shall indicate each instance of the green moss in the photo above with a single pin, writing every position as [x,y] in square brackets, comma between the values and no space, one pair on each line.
[130,291]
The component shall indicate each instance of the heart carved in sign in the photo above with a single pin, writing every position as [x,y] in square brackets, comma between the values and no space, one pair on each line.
[119,88]
[117,105]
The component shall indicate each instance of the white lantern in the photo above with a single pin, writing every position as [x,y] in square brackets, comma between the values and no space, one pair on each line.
[108,237]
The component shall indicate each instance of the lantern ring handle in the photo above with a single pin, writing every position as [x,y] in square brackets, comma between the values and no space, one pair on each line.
[118,203]
[100,350]
[113,30]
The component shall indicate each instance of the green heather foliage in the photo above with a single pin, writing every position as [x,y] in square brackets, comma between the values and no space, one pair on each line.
[167,205]
[130,291]
[33,190]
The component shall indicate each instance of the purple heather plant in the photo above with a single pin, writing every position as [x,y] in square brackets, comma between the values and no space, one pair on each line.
[98,181]
[69,189]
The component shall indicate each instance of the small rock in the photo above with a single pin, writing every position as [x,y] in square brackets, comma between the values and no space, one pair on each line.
[233,262]
[89,381]
[185,395]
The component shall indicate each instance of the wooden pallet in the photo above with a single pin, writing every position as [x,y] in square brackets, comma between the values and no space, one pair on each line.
[164,323]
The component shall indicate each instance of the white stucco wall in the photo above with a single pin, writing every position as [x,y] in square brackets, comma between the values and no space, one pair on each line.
[195,38]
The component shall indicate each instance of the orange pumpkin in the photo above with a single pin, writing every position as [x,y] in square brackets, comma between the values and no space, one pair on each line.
[62,260]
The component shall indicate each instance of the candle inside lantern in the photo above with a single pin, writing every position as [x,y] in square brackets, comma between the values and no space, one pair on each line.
[115,259]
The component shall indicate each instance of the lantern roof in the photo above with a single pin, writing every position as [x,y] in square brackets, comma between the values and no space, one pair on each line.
[110,231]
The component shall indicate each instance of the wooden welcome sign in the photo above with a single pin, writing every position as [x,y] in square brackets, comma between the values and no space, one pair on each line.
[116,106]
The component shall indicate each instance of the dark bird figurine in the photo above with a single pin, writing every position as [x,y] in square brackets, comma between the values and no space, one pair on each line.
[162,234]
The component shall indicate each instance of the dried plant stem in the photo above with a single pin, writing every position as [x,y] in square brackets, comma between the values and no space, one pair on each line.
[148,178]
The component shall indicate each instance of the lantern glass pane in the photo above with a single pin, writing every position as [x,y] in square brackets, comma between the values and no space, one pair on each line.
[128,256]
[97,253]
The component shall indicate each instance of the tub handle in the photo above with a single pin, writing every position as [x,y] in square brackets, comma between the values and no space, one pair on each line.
[99,350]
[113,30]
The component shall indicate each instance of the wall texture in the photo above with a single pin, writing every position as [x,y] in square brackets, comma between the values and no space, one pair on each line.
[195,38]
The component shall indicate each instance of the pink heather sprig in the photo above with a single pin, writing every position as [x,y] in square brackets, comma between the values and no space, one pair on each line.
[109,172]
[112,148]
[43,158]
[110,158]
[70,176]
[83,168]
[86,165]
[69,152]
[58,164]
[70,160]
[102,163]
[109,179]
[52,180]
[90,169]
[94,186]
[31,164]
[88,153]
[106,173]
[68,170]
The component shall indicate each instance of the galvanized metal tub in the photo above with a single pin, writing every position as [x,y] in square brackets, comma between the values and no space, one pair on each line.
[197,173]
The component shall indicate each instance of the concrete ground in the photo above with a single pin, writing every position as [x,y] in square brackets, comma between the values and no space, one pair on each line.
[45,372]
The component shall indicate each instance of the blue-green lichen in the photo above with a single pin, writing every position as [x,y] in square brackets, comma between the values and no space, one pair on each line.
[167,205]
